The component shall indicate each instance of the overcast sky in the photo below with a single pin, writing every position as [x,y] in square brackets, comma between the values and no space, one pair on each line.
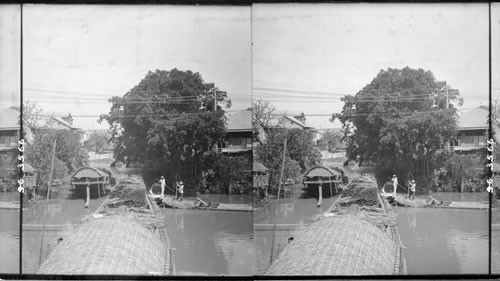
[10,56]
[336,49]
[76,57]
[495,50]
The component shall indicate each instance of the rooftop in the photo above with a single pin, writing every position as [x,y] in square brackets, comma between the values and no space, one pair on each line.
[9,118]
[240,121]
[476,118]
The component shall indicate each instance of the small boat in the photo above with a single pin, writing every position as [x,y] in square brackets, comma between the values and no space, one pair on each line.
[199,204]
[431,202]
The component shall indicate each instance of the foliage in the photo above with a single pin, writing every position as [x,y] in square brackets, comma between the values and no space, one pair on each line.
[168,124]
[97,142]
[69,154]
[300,153]
[227,173]
[265,117]
[458,168]
[401,123]
[331,140]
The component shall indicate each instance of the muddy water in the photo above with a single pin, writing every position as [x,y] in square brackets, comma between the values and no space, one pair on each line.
[437,241]
[9,236]
[212,242]
[444,241]
[291,216]
[495,242]
[59,216]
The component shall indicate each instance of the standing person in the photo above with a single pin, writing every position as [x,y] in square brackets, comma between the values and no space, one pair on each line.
[395,183]
[162,184]
[412,189]
[180,188]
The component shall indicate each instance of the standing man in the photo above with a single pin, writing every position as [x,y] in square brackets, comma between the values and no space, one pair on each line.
[162,184]
[180,188]
[412,189]
[395,183]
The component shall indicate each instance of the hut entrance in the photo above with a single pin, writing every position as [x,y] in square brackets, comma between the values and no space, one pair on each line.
[322,181]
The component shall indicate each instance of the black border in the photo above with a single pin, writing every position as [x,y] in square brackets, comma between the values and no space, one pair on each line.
[21,276]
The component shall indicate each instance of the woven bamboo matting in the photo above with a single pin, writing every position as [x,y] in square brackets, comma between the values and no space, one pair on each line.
[341,245]
[108,245]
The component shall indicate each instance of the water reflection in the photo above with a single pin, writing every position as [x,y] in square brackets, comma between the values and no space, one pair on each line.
[495,242]
[50,219]
[211,243]
[444,241]
[9,235]
[437,241]
[291,215]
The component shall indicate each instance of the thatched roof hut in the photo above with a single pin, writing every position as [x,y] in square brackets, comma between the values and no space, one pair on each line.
[108,245]
[89,175]
[322,174]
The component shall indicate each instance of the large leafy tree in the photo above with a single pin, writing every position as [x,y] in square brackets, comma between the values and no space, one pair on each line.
[168,123]
[401,122]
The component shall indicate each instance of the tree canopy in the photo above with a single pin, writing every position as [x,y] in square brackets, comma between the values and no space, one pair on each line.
[401,122]
[168,123]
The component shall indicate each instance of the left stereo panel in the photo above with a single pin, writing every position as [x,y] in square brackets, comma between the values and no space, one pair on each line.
[10,116]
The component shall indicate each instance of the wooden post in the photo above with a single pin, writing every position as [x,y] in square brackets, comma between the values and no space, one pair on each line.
[99,190]
[320,191]
[51,168]
[282,167]
[331,193]
[41,246]
[88,196]
[272,243]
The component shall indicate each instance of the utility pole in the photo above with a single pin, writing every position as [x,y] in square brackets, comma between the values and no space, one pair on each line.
[51,168]
[446,98]
[215,101]
[282,165]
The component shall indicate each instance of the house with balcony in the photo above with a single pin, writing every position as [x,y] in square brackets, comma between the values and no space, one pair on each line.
[238,133]
[472,131]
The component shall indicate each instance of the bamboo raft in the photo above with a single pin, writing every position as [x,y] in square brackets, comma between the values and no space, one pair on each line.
[357,235]
[199,204]
[126,235]
[431,202]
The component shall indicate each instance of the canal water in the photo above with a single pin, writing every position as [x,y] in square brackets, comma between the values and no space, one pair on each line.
[291,216]
[9,235]
[206,243]
[50,219]
[495,242]
[212,242]
[437,241]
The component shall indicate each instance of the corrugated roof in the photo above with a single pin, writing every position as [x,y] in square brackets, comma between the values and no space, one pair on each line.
[476,118]
[240,121]
[259,167]
[9,118]
[28,168]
